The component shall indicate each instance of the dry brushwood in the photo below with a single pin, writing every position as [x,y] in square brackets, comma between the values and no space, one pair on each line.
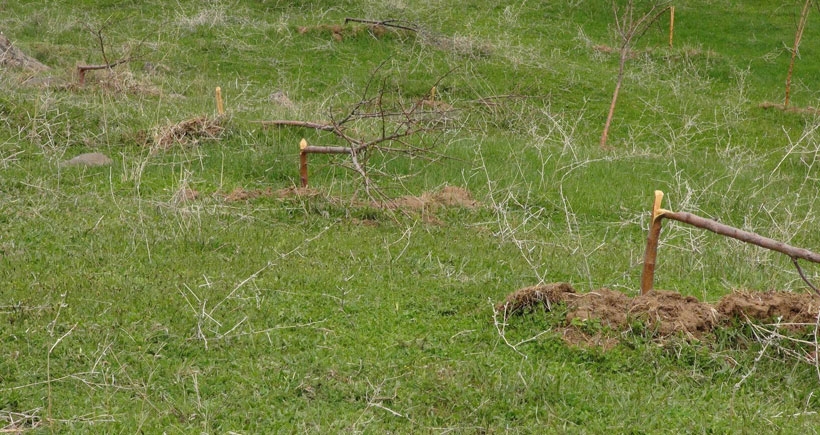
[384,23]
[187,132]
[379,122]
[530,298]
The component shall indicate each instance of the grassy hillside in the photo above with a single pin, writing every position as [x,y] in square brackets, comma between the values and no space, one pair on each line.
[128,303]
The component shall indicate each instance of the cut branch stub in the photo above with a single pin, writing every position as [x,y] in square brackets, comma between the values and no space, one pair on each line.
[220,108]
[303,172]
[658,213]
[305,149]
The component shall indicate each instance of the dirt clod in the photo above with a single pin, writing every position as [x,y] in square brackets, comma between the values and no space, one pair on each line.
[12,56]
[771,306]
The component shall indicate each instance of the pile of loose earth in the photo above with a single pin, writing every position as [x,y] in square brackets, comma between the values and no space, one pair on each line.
[664,313]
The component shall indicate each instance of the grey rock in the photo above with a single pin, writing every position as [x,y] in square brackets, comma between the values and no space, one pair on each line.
[89,159]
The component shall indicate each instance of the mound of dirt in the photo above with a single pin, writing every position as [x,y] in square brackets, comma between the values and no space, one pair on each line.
[663,312]
[447,196]
[12,56]
[668,313]
[795,308]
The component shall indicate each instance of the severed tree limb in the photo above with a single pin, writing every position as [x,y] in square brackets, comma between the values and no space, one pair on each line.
[81,69]
[745,236]
[376,123]
[647,276]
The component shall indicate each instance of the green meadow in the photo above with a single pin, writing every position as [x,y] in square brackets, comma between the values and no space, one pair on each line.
[192,285]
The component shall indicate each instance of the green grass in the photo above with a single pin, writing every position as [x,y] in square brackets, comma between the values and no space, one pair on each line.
[123,310]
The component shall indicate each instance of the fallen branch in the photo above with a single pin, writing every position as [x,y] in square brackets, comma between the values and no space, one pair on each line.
[790,109]
[304,124]
[658,213]
[107,64]
[384,23]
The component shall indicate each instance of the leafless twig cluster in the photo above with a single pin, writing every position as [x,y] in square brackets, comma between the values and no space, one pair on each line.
[380,122]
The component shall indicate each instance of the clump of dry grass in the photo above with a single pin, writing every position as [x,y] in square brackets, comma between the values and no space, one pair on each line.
[530,298]
[189,132]
[19,422]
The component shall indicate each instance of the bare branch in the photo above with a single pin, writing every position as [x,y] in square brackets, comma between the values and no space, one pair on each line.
[802,275]
[379,121]
[385,23]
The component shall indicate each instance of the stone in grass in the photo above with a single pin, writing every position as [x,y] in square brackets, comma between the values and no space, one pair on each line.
[89,159]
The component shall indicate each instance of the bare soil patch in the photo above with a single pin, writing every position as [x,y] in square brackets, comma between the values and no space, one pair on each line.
[447,196]
[664,313]
[242,194]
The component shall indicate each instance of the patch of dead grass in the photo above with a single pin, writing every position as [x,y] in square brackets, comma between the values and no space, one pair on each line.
[189,132]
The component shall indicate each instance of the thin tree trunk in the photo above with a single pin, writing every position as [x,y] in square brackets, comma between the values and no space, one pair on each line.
[798,35]
[621,65]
